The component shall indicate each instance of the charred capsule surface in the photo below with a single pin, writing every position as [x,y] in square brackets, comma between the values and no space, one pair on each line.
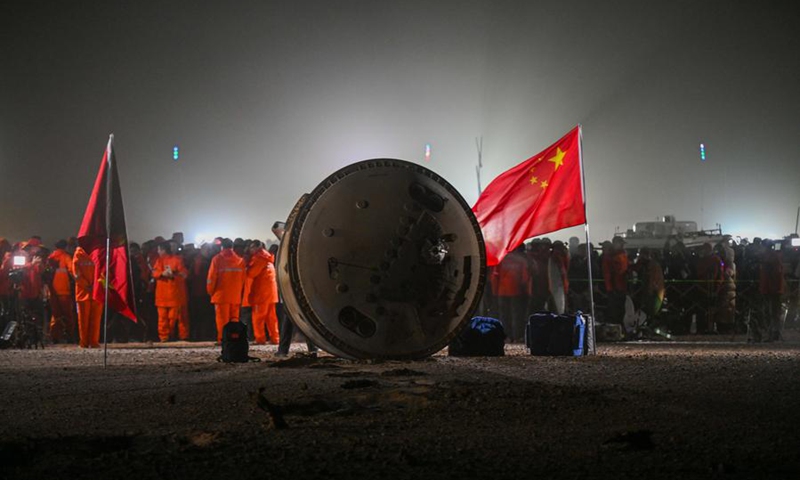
[396,276]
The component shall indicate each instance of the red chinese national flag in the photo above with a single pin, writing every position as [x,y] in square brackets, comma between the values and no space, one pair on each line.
[540,195]
[105,220]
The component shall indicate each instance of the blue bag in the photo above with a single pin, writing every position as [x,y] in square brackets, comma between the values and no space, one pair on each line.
[556,335]
[481,337]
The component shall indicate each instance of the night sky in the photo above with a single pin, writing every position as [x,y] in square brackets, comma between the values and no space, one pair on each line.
[265,99]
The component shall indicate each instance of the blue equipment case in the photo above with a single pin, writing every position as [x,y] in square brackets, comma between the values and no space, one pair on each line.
[550,334]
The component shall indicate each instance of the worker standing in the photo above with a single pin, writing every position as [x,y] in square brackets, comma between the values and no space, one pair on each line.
[62,303]
[224,284]
[90,310]
[169,273]
[263,293]
[512,279]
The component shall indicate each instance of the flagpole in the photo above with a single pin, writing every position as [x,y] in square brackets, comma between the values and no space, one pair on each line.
[479,146]
[593,346]
[108,247]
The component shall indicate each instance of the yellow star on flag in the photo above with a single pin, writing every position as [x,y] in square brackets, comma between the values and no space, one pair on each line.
[558,160]
[544,184]
[534,180]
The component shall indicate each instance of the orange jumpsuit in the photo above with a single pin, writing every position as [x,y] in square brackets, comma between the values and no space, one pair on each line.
[89,310]
[170,273]
[62,302]
[224,284]
[248,284]
[263,296]
[512,277]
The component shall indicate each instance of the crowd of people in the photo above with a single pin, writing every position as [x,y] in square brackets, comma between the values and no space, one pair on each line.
[187,293]
[721,287]
[181,292]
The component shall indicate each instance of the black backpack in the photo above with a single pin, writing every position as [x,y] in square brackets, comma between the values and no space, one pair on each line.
[234,344]
[481,337]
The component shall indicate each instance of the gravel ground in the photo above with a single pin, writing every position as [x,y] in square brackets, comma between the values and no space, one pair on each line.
[696,409]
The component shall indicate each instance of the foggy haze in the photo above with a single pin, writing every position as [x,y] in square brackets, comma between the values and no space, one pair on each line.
[265,99]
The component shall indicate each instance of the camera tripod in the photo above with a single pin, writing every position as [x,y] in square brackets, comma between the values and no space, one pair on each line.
[20,328]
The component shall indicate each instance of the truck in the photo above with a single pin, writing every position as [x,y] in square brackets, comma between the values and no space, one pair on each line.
[655,234]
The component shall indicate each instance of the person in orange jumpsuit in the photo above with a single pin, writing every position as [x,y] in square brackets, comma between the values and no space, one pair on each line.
[512,277]
[263,293]
[225,284]
[169,273]
[89,310]
[62,303]
[246,309]
[178,250]
[615,275]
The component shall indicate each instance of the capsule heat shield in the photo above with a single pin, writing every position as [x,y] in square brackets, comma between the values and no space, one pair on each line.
[384,259]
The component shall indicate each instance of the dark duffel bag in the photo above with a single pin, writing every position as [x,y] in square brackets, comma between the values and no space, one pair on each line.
[482,337]
[556,335]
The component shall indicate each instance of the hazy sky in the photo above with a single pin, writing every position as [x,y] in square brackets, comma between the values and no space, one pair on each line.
[265,99]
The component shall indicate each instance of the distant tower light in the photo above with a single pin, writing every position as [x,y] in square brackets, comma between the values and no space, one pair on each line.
[175,153]
[702,152]
[427,152]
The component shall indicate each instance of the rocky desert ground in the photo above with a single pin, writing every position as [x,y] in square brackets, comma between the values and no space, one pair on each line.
[704,408]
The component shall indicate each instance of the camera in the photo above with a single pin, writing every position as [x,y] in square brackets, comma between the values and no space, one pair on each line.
[18,264]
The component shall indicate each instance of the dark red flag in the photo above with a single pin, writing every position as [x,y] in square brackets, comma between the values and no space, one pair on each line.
[540,195]
[105,220]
